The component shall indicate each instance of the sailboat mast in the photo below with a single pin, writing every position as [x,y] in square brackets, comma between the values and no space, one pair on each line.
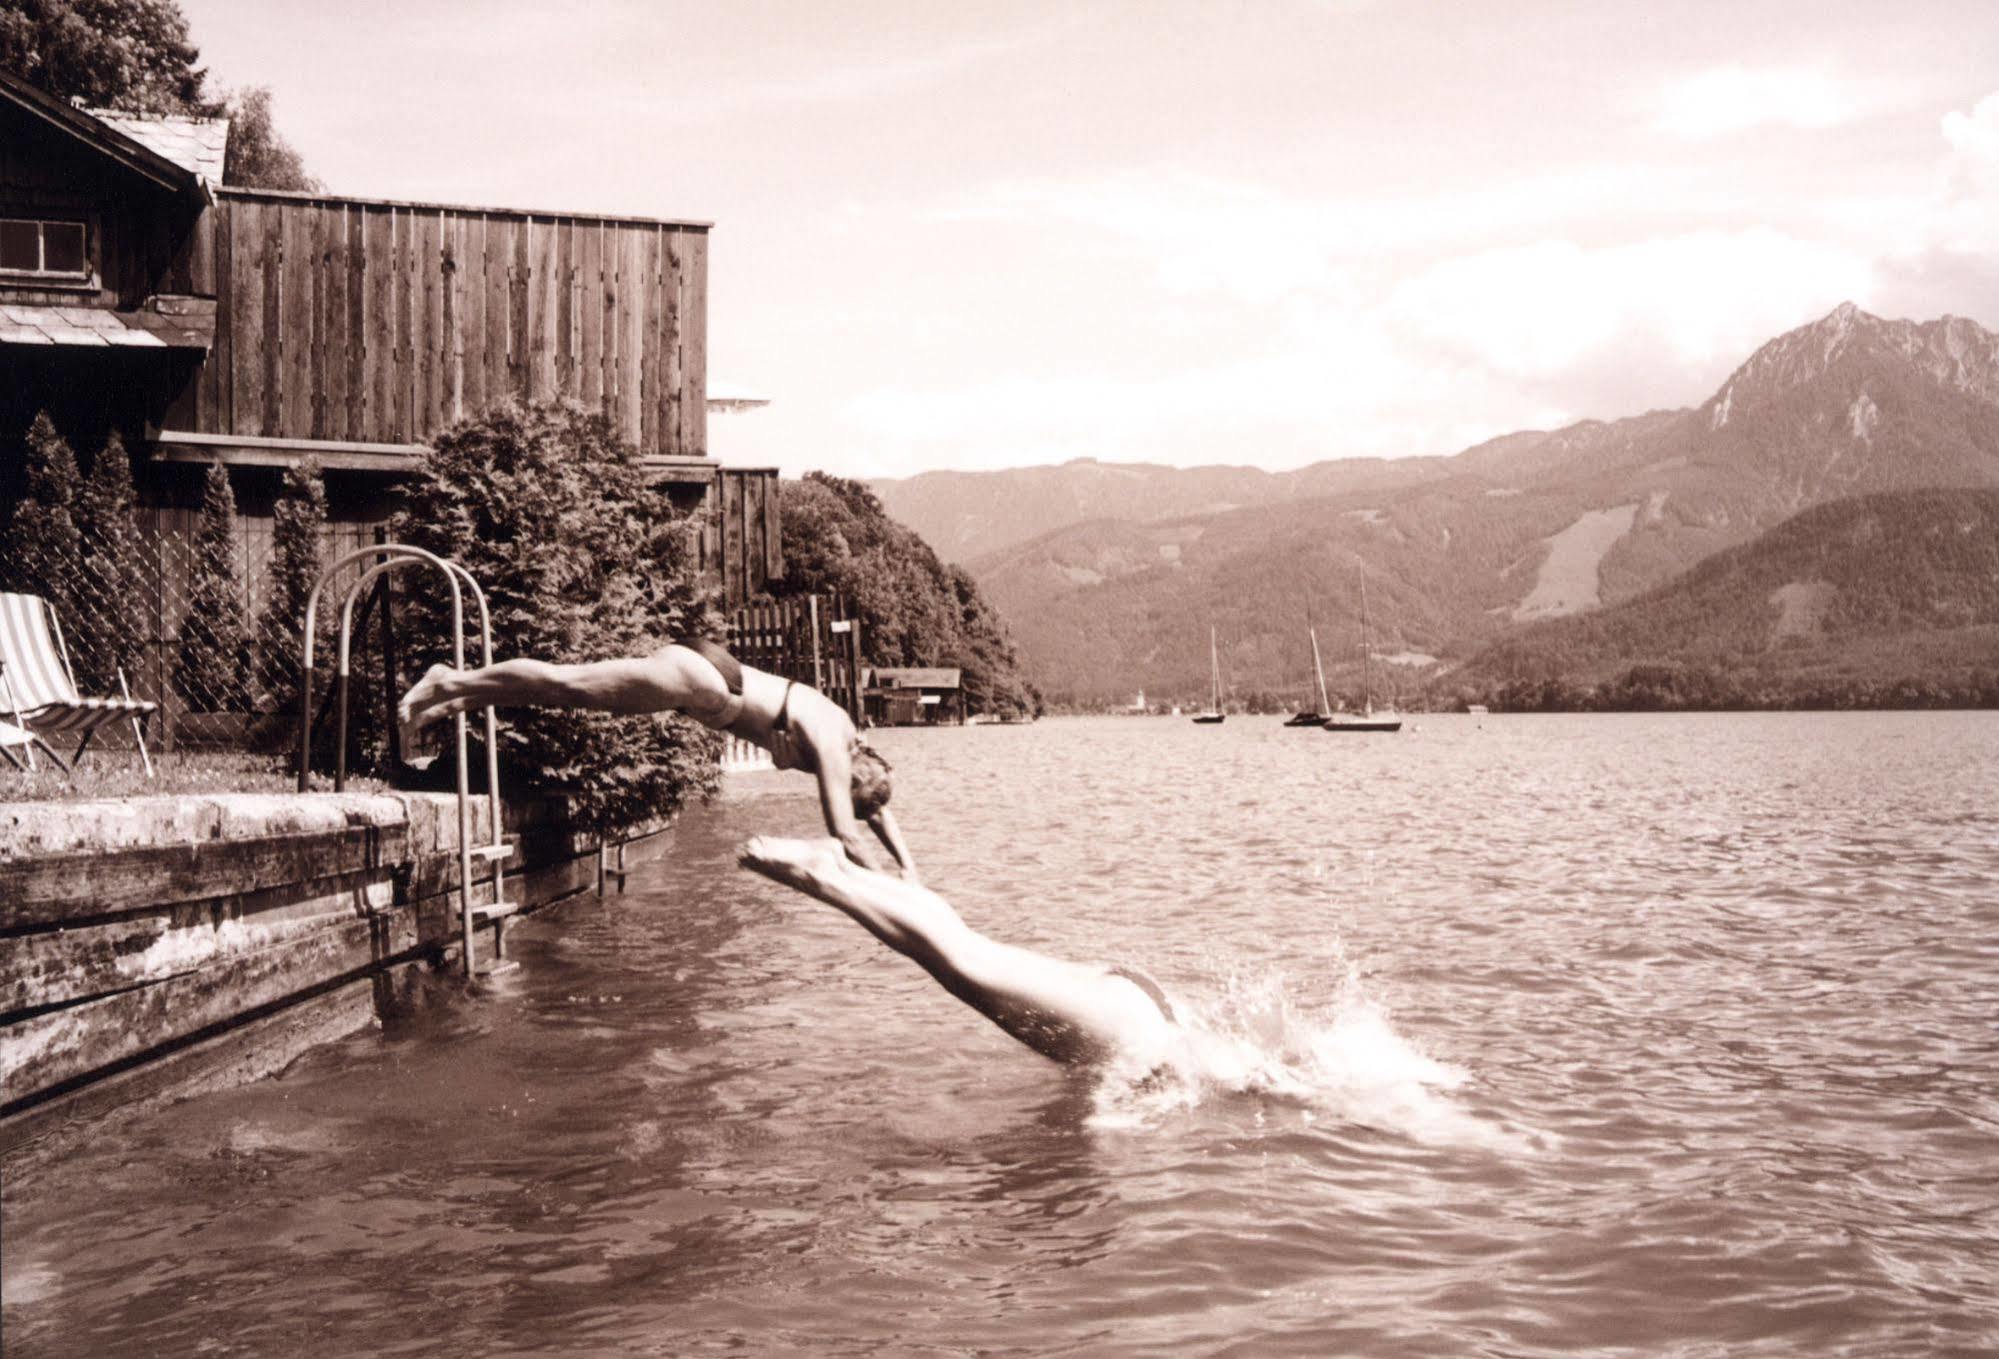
[1325,704]
[1214,672]
[1366,676]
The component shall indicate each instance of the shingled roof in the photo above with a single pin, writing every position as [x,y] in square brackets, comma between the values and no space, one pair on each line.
[197,144]
[112,141]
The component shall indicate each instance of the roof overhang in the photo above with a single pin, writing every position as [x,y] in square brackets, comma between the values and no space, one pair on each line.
[397,460]
[163,323]
[101,137]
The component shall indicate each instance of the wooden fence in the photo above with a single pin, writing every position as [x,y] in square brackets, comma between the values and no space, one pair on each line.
[354,321]
[813,639]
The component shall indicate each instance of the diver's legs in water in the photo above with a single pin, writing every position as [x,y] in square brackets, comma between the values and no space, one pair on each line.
[1064,1010]
[908,918]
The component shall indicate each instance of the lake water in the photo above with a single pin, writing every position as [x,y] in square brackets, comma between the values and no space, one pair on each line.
[1638,1035]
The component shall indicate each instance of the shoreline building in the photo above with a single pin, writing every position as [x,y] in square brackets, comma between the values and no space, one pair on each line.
[915,696]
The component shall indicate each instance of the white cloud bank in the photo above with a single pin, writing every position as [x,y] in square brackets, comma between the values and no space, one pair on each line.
[1537,311]
[1329,327]
[1727,100]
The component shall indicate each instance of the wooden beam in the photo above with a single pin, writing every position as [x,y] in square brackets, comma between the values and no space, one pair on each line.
[66,889]
[65,966]
[59,1046]
[245,450]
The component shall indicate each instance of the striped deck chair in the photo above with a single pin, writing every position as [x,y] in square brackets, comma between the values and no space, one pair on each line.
[38,695]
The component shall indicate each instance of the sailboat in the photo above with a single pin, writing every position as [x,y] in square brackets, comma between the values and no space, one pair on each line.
[1317,717]
[1367,719]
[1213,712]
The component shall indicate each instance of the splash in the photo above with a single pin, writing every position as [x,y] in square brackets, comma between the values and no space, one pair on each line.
[1341,1059]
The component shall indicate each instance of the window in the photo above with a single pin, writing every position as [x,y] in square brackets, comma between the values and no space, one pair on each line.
[31,245]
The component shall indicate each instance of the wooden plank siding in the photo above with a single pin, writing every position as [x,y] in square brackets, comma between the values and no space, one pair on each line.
[383,323]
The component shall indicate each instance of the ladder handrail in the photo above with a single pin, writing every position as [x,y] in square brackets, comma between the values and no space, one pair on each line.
[396,555]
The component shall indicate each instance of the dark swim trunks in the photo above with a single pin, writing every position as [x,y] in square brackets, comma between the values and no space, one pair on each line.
[1150,987]
[726,665]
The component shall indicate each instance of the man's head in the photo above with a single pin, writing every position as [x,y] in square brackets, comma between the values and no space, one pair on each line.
[871,781]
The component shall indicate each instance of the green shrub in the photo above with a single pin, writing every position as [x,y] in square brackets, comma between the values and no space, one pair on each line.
[581,560]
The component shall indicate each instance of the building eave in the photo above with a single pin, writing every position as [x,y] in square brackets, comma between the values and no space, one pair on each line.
[102,138]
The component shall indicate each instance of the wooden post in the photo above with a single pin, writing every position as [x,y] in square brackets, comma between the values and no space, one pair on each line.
[818,665]
[855,680]
[162,671]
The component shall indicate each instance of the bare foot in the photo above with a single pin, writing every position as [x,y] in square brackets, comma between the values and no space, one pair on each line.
[413,714]
[791,862]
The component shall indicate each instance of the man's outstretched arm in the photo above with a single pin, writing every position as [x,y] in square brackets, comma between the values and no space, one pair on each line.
[835,770]
[882,823]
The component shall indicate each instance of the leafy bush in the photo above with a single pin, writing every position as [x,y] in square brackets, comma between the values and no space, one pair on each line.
[581,560]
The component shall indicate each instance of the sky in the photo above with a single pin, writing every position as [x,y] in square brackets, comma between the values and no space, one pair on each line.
[973,235]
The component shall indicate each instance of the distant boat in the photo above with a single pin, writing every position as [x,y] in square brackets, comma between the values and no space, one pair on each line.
[1213,713]
[1317,717]
[1367,719]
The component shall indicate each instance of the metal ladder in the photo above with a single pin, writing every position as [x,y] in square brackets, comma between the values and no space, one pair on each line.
[498,909]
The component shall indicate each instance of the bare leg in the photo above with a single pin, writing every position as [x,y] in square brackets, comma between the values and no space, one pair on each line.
[649,684]
[1067,1011]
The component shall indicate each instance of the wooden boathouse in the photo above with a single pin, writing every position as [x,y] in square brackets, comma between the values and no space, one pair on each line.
[253,328]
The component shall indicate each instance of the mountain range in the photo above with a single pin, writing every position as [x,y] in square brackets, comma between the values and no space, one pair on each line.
[1110,575]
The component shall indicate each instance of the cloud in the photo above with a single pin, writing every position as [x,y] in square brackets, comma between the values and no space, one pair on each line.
[1536,311]
[1255,323]
[1942,259]
[1326,385]
[1198,233]
[1205,234]
[1726,100]
[1966,217]
[1974,136]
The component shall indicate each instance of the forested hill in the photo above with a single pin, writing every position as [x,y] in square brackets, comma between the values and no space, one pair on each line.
[1879,590]
[914,609]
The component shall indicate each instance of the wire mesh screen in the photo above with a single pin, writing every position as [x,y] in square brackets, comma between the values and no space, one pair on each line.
[152,609]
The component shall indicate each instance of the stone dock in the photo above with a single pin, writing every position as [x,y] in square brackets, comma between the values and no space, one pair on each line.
[151,948]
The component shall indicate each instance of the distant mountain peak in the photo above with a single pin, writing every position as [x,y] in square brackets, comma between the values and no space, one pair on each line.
[1952,351]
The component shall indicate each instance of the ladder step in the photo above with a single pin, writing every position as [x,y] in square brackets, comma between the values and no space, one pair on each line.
[499,910]
[491,852]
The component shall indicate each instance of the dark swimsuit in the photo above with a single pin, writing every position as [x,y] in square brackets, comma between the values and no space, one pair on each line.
[731,671]
[727,666]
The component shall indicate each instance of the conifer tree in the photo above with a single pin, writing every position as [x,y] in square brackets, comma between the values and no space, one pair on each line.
[43,546]
[108,626]
[210,667]
[299,521]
